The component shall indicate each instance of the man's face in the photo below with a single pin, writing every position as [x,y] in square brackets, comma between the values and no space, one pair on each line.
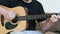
[27,1]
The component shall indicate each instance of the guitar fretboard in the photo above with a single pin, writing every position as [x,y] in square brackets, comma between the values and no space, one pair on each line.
[34,17]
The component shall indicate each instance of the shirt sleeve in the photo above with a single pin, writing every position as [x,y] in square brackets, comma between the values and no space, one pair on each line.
[40,10]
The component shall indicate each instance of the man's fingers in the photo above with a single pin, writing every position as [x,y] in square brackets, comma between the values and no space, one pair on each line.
[54,18]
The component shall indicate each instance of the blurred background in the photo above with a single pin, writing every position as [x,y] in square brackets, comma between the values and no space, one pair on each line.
[51,6]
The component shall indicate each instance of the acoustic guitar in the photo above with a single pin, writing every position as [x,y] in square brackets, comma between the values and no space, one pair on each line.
[21,19]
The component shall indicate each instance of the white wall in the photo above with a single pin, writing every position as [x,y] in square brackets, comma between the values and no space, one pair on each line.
[51,6]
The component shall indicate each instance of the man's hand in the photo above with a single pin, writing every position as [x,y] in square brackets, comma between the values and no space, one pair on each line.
[54,18]
[45,25]
[7,14]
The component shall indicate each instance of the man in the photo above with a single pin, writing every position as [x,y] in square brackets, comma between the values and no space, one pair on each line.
[33,8]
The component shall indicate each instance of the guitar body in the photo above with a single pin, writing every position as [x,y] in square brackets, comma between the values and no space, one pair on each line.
[21,24]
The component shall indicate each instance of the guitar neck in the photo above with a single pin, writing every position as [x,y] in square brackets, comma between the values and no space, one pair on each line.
[34,17]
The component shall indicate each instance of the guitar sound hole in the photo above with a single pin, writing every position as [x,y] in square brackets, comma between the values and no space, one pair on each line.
[10,26]
[14,20]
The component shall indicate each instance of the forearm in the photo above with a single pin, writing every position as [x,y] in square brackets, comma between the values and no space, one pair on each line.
[44,26]
[8,14]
